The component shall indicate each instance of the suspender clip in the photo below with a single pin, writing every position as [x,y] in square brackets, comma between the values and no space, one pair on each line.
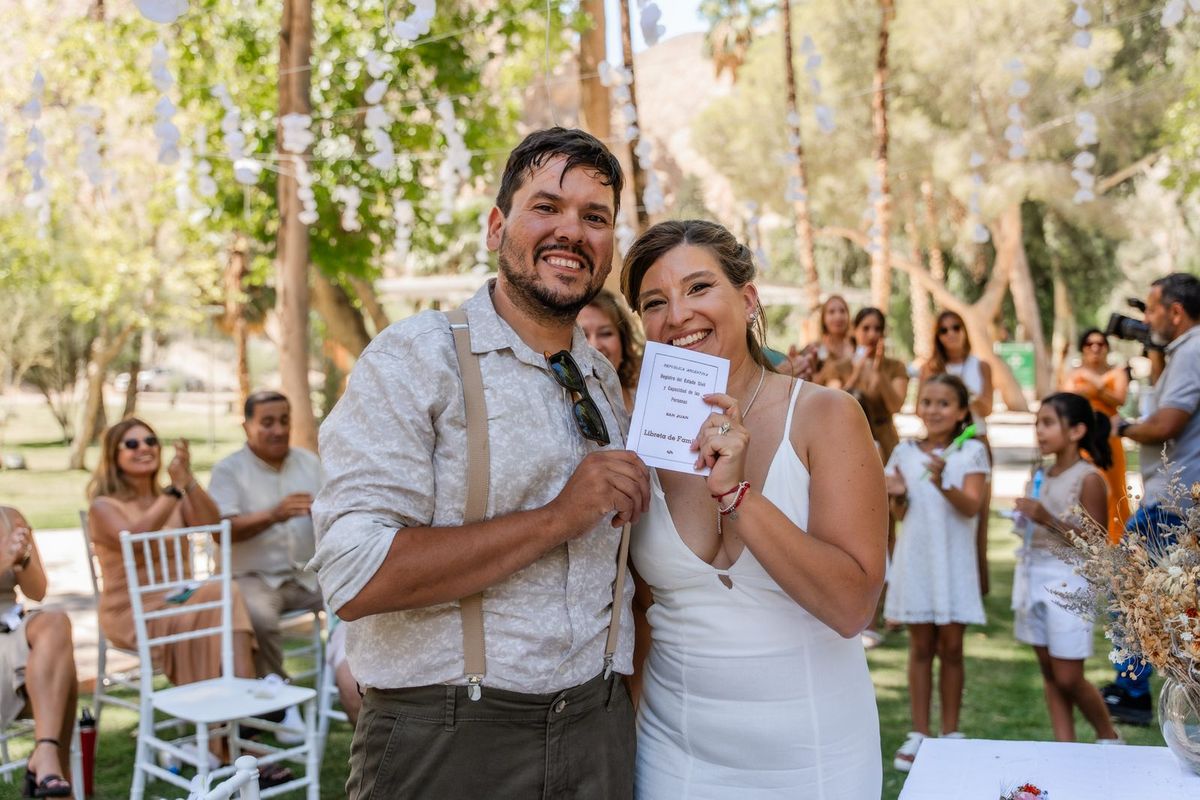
[474,690]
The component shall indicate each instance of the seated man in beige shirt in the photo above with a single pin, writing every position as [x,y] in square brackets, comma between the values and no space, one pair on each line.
[265,490]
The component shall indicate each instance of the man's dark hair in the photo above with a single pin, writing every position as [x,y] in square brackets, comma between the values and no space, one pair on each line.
[1182,288]
[257,398]
[580,148]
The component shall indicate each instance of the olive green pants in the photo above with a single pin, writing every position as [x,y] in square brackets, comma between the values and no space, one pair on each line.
[434,742]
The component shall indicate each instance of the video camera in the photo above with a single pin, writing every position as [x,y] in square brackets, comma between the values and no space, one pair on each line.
[1132,329]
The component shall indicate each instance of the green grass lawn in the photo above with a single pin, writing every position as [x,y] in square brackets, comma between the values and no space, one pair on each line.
[1003,697]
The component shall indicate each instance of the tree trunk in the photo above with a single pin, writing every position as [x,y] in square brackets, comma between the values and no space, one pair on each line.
[1010,247]
[131,391]
[881,271]
[594,101]
[88,425]
[801,218]
[365,290]
[235,311]
[295,51]
[637,176]
[922,315]
[1064,324]
[343,322]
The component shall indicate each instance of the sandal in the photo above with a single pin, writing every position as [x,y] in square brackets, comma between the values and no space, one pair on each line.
[48,785]
[273,775]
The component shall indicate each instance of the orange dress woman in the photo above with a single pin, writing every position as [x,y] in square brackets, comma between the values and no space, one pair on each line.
[1105,389]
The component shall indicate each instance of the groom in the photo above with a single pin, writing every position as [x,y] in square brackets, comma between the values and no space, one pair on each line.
[394,556]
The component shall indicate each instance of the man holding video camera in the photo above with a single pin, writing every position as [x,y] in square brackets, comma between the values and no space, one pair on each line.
[1170,435]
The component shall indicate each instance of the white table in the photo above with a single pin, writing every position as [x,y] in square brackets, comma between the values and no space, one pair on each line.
[981,769]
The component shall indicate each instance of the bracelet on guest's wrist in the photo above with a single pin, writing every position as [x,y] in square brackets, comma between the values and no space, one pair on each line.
[742,489]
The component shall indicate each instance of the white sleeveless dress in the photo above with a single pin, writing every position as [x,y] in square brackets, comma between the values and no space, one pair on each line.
[745,694]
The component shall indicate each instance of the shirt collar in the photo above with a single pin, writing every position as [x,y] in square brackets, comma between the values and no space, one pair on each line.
[490,332]
[251,454]
[1178,341]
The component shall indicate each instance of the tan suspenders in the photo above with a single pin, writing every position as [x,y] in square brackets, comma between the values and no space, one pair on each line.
[478,474]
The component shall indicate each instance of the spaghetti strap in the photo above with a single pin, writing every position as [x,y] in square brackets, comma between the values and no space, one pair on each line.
[787,427]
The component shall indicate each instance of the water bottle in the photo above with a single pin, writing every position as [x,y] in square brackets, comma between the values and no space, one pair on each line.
[1035,492]
[87,747]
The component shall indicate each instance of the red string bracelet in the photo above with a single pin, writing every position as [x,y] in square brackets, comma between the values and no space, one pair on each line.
[733,488]
[742,489]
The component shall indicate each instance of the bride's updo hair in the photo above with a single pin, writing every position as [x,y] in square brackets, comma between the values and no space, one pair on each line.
[736,260]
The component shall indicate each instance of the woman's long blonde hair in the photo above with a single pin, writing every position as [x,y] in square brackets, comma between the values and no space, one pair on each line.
[108,480]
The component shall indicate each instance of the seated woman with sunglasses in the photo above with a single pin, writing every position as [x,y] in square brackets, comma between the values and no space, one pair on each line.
[126,496]
[755,581]
[37,665]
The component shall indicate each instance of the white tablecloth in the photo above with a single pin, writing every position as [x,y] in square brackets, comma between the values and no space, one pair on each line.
[981,769]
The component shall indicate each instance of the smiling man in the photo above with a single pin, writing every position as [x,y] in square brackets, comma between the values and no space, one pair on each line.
[266,491]
[394,555]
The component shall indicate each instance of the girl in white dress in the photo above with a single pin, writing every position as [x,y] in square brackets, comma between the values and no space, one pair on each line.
[933,586]
[1062,639]
[753,583]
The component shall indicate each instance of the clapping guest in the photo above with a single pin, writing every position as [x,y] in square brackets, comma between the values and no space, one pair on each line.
[126,495]
[37,665]
[611,330]
[878,383]
[1105,388]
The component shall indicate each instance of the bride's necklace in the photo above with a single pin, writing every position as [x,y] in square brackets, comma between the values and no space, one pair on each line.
[762,376]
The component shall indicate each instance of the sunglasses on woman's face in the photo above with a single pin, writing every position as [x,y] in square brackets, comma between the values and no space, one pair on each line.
[134,444]
[949,329]
[1095,343]
[586,412]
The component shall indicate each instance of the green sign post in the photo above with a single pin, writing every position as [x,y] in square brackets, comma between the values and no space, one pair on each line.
[1019,357]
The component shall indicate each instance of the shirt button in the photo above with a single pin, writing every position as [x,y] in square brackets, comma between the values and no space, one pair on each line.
[559,706]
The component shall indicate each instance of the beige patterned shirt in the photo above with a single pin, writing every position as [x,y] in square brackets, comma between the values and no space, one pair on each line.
[394,452]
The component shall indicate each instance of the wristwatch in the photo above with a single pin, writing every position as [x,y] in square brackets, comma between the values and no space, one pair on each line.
[1123,426]
[174,491]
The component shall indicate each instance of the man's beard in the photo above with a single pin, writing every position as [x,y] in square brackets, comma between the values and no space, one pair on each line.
[534,298]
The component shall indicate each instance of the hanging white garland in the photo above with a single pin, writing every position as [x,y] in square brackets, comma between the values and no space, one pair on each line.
[456,166]
[618,80]
[1084,162]
[206,187]
[812,64]
[38,198]
[416,24]
[483,263]
[245,170]
[377,120]
[165,129]
[88,159]
[1018,90]
[979,231]
[649,18]
[295,138]
[163,12]
[1175,10]
[351,198]
[403,216]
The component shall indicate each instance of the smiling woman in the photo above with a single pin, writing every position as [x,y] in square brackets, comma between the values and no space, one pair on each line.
[781,544]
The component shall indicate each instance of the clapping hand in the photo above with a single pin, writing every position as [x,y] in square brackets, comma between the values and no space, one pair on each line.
[17,546]
[180,468]
[298,504]
[935,467]
[894,481]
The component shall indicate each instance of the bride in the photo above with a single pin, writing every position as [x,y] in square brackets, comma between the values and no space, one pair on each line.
[753,583]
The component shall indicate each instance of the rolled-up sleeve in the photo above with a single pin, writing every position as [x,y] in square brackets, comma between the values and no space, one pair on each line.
[224,488]
[377,450]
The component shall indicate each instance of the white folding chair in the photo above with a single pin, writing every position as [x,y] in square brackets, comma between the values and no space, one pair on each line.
[23,728]
[312,643]
[327,696]
[243,785]
[184,560]
[105,681]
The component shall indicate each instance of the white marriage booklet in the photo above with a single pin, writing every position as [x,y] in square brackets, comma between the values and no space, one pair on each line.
[668,410]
